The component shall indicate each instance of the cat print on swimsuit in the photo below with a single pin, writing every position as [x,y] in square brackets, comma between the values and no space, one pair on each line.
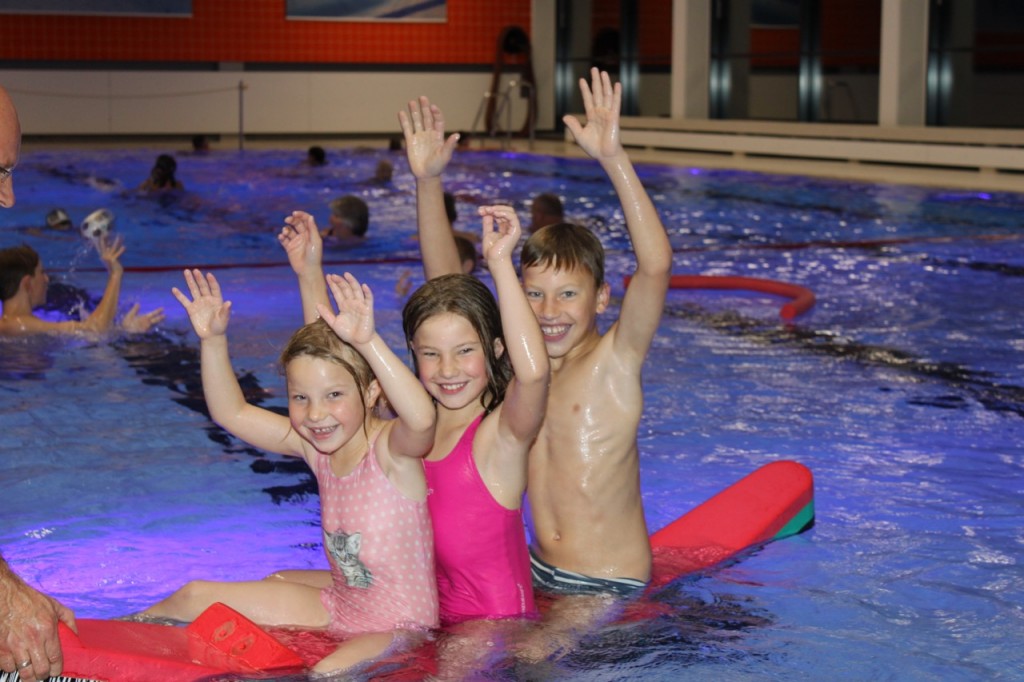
[344,549]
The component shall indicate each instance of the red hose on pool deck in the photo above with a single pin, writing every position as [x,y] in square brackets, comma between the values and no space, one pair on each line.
[801,298]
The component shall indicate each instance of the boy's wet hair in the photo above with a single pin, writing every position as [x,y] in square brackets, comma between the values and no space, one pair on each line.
[15,263]
[469,298]
[564,246]
[318,340]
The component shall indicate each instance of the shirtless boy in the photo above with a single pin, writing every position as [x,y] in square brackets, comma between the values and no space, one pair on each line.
[589,532]
[23,285]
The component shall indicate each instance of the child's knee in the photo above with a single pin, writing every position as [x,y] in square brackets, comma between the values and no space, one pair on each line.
[195,594]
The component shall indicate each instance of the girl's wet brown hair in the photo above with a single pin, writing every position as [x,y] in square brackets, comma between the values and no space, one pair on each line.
[318,340]
[467,297]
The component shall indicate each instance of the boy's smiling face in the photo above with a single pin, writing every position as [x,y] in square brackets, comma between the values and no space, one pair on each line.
[566,304]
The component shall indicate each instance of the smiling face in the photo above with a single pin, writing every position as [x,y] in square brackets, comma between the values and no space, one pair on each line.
[450,360]
[325,405]
[566,303]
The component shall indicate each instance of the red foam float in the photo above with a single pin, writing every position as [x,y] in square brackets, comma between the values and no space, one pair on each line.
[801,298]
[773,502]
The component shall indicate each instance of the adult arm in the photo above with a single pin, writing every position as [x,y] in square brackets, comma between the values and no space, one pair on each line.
[28,628]
[645,298]
[429,153]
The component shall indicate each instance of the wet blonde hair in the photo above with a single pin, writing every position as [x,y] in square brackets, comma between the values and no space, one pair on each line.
[470,298]
[318,340]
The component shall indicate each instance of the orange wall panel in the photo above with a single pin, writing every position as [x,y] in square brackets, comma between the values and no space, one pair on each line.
[257,31]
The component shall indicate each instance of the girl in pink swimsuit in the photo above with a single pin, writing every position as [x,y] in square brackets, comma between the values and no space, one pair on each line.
[376,524]
[491,392]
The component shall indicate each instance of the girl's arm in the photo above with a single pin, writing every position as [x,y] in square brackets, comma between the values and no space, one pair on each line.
[209,314]
[305,248]
[526,397]
[412,433]
[429,153]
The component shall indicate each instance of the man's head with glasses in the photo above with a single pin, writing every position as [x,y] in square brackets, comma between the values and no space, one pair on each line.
[10,147]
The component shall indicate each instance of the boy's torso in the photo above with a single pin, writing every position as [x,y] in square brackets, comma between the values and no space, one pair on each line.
[584,486]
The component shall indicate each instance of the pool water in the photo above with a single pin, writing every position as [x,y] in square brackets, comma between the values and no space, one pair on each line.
[902,390]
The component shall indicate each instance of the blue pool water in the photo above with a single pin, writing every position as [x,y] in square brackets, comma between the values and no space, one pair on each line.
[902,390]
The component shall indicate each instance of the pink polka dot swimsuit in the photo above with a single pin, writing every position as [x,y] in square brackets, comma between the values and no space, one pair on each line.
[380,547]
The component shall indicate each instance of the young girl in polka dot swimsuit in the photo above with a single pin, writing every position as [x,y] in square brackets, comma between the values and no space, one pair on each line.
[376,525]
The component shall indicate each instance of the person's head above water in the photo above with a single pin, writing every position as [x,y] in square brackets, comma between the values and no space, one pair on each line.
[10,147]
[546,209]
[58,219]
[316,156]
[162,175]
[17,263]
[350,216]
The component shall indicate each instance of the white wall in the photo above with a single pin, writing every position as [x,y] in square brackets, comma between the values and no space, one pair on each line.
[188,102]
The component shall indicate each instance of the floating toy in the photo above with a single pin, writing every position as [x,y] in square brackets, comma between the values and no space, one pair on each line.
[801,298]
[773,502]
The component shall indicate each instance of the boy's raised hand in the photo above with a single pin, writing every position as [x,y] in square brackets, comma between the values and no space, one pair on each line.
[208,311]
[425,145]
[354,322]
[500,233]
[110,250]
[302,242]
[601,103]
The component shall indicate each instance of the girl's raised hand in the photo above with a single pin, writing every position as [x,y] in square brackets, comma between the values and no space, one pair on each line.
[208,311]
[425,145]
[501,231]
[301,241]
[354,321]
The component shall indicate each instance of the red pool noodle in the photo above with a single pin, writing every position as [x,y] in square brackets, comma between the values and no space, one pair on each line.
[801,298]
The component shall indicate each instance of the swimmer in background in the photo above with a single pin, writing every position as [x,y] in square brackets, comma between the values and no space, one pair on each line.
[316,156]
[200,144]
[349,221]
[546,209]
[58,219]
[383,172]
[23,287]
[162,176]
